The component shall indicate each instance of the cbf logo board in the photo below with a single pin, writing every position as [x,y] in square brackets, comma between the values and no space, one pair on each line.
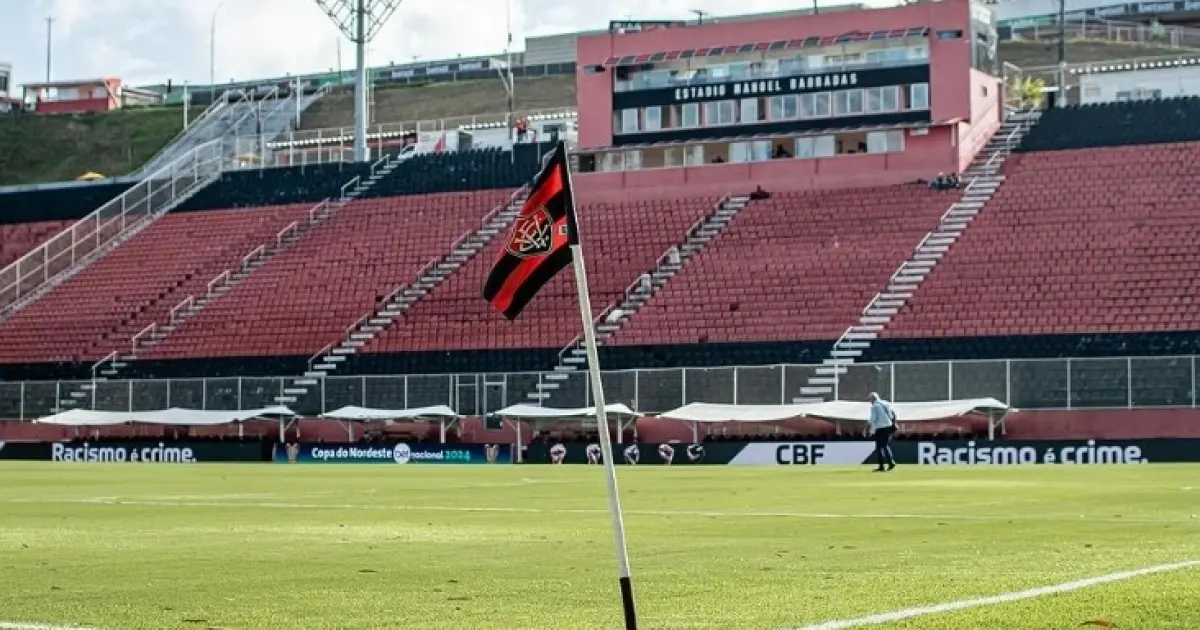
[803,454]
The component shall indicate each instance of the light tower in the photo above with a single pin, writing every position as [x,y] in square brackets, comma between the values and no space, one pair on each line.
[359,21]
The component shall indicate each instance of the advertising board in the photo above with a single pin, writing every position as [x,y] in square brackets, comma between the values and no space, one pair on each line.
[851,453]
[393,453]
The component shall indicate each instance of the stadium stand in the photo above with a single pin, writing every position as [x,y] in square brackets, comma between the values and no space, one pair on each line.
[1084,252]
[72,200]
[1066,248]
[1116,124]
[61,148]
[103,306]
[18,239]
[308,296]
[454,317]
[767,277]
[443,100]
[1041,54]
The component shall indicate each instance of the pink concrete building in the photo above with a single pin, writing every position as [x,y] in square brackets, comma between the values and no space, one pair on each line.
[846,98]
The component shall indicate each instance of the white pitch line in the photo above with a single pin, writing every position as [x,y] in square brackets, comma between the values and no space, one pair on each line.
[1004,598]
[14,625]
[118,501]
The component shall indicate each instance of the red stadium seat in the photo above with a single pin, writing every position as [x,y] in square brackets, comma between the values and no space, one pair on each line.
[796,266]
[101,308]
[1095,240]
[307,296]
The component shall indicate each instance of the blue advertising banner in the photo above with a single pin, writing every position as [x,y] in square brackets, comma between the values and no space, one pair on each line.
[392,453]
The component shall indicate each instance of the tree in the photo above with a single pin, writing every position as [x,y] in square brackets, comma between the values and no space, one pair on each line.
[1026,92]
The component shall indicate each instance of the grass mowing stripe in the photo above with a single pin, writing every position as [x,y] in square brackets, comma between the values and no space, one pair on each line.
[278,505]
[1004,598]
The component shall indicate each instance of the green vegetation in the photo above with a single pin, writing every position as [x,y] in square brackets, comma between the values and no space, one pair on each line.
[62,147]
[250,547]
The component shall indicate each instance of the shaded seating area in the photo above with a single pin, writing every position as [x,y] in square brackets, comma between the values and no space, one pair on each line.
[1115,125]
[275,186]
[101,308]
[58,202]
[308,295]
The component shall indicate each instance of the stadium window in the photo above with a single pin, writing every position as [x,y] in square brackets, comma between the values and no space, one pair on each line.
[918,52]
[848,102]
[673,156]
[612,162]
[718,113]
[918,96]
[633,162]
[824,146]
[629,120]
[652,119]
[815,105]
[3,83]
[784,107]
[739,152]
[883,99]
[760,150]
[748,110]
[693,155]
[689,115]
[805,147]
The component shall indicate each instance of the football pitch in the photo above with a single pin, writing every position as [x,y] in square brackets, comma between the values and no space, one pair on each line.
[257,547]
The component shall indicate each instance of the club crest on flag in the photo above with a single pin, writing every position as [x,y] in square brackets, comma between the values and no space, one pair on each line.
[532,235]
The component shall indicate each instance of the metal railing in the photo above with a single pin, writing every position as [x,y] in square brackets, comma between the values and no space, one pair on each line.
[1100,383]
[990,168]
[208,116]
[1097,29]
[394,129]
[107,226]
[633,286]
[429,266]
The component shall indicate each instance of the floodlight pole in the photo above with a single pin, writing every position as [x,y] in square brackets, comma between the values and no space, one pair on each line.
[359,21]
[360,83]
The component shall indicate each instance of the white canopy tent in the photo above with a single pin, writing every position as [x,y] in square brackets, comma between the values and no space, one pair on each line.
[842,411]
[534,413]
[445,416]
[174,416]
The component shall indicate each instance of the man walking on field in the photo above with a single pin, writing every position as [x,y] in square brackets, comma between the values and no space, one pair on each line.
[883,423]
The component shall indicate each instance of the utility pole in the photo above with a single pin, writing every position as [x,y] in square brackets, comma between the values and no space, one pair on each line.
[700,15]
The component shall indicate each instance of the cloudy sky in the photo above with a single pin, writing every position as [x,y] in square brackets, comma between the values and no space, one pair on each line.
[150,41]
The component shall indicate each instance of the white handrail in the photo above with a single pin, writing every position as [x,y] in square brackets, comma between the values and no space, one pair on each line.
[215,282]
[185,303]
[104,225]
[110,357]
[638,281]
[195,125]
[148,330]
[988,169]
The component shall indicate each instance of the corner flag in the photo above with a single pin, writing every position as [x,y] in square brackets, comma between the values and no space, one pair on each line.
[544,240]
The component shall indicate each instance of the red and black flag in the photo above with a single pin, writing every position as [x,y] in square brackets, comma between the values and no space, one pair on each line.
[539,245]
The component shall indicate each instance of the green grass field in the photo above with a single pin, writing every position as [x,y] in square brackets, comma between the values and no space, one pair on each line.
[254,547]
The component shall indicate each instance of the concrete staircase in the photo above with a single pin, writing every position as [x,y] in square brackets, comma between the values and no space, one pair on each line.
[983,179]
[111,365]
[573,358]
[394,305]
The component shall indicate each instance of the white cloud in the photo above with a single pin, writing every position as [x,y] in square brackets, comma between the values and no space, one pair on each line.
[149,41]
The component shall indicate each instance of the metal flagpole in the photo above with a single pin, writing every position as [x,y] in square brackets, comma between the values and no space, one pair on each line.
[606,450]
